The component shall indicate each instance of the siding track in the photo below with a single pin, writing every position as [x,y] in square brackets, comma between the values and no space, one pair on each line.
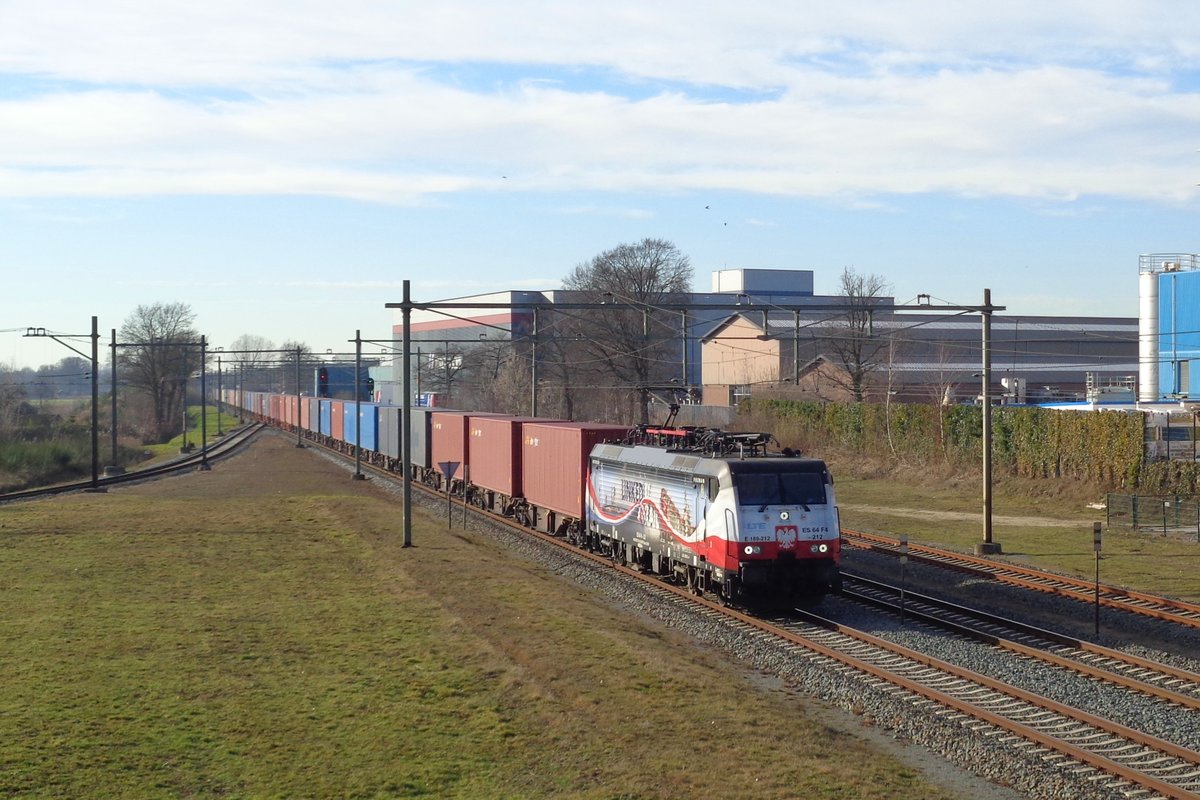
[1163,608]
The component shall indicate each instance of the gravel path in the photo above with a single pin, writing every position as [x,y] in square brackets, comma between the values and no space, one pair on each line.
[961,516]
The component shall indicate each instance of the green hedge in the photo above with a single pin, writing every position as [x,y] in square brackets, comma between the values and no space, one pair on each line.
[1103,447]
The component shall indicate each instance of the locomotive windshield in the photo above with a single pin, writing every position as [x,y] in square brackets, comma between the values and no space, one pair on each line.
[780,488]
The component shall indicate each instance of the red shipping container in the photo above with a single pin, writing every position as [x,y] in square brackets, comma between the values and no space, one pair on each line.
[337,420]
[555,462]
[496,452]
[450,432]
[305,409]
[275,407]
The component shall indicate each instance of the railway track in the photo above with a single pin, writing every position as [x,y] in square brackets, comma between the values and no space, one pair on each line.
[1127,759]
[1107,753]
[1132,758]
[1161,681]
[219,448]
[1163,608]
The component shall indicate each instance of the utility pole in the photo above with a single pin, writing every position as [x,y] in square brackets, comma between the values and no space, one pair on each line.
[220,396]
[533,358]
[358,474]
[987,546]
[299,400]
[95,405]
[115,467]
[204,465]
[406,415]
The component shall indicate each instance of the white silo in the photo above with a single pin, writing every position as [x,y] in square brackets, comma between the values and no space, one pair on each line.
[1148,272]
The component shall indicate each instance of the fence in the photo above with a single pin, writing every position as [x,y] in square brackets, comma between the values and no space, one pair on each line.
[1170,514]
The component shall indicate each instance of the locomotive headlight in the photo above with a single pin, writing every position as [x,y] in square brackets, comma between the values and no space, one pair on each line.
[824,548]
[752,550]
[784,515]
[749,549]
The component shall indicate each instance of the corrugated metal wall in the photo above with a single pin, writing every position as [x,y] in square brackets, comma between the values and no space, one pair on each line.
[1179,323]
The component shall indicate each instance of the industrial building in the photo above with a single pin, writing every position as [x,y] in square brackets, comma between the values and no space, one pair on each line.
[917,356]
[1169,326]
[777,344]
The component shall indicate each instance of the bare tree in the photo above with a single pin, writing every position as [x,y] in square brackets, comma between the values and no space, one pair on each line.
[287,356]
[852,341]
[161,352]
[442,370]
[509,391]
[635,343]
[256,360]
[492,368]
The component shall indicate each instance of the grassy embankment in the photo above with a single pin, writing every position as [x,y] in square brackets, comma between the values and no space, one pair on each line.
[194,430]
[1042,522]
[55,446]
[52,444]
[256,634]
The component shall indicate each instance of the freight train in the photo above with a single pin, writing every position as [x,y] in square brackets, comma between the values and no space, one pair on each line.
[712,510]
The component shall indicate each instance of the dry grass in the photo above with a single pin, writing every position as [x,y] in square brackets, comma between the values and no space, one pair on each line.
[262,634]
[1044,523]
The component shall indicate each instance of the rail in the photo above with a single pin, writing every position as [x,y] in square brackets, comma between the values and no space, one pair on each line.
[1162,681]
[1164,608]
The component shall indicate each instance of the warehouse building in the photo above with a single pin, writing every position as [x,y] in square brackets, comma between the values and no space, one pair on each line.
[777,344]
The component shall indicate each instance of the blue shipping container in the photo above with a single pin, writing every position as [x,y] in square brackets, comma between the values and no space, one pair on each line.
[366,426]
[326,417]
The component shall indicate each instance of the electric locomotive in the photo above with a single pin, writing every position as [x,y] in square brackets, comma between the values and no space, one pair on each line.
[718,512]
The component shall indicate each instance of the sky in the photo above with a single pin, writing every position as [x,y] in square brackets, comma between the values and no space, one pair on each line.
[282,168]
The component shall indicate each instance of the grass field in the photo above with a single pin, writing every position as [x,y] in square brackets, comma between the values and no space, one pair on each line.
[249,633]
[195,429]
[1053,533]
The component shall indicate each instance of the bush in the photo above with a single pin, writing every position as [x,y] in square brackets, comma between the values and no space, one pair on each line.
[1104,448]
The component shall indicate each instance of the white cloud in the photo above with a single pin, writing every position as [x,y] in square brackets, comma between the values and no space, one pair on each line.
[848,100]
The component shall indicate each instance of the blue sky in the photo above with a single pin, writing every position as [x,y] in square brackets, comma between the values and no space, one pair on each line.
[283,167]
